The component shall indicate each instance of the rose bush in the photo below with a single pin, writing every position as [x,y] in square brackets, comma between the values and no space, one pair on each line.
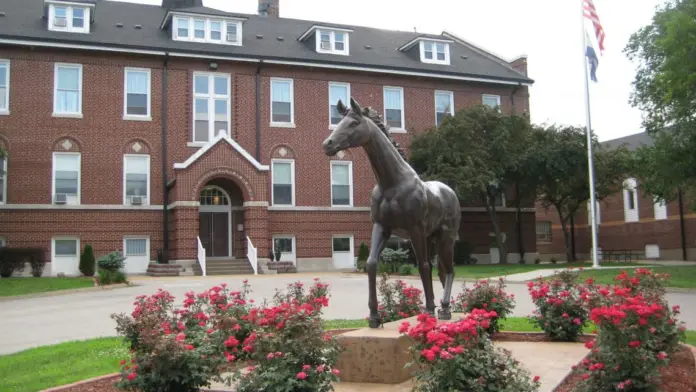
[397,300]
[486,296]
[560,309]
[459,356]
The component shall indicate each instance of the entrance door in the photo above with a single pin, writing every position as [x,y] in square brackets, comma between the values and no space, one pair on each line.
[343,252]
[215,233]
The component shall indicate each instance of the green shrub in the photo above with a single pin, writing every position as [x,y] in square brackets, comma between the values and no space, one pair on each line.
[553,260]
[87,261]
[489,297]
[363,254]
[560,308]
[398,300]
[462,253]
[537,261]
[406,269]
[13,259]
[37,266]
[111,277]
[114,261]
[393,259]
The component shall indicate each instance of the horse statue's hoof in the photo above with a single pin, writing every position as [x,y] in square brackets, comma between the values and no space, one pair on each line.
[444,314]
[374,322]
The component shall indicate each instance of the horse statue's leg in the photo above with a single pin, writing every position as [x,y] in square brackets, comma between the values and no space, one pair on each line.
[445,251]
[380,235]
[420,248]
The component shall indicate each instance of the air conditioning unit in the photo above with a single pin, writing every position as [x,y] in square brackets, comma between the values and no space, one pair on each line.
[325,45]
[60,22]
[136,200]
[61,198]
[231,37]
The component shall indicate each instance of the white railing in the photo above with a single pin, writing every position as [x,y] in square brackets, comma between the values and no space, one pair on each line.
[252,256]
[201,257]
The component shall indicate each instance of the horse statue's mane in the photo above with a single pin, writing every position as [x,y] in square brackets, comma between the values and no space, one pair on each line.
[372,114]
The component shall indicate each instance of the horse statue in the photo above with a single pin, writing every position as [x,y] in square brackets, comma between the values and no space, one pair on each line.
[428,213]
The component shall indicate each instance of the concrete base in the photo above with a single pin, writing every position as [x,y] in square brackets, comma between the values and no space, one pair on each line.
[377,355]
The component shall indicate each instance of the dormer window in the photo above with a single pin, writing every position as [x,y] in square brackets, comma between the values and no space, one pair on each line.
[434,52]
[335,42]
[70,17]
[215,31]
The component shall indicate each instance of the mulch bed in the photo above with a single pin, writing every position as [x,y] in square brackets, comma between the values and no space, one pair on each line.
[678,376]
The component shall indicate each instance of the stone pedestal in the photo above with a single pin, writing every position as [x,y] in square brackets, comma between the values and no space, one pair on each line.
[377,355]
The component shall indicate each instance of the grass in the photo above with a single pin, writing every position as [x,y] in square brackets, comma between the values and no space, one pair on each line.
[680,276]
[480,271]
[47,366]
[22,286]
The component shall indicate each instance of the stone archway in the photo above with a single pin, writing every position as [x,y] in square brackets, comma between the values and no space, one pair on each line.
[220,211]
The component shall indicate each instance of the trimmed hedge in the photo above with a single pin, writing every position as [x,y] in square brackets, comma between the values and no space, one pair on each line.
[13,260]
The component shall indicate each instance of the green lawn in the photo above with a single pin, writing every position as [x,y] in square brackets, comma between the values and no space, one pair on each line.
[22,286]
[44,367]
[481,271]
[680,276]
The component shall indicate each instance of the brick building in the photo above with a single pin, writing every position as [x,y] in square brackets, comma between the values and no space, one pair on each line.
[628,222]
[144,128]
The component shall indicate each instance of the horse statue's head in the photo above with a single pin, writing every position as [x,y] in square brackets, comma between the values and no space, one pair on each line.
[352,131]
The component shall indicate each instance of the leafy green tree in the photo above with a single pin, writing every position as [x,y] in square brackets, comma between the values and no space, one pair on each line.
[87,262]
[562,172]
[664,89]
[468,152]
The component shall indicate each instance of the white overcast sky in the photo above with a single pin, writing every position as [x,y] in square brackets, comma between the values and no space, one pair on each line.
[549,32]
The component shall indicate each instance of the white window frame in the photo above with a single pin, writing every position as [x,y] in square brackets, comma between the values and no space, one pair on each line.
[56,113]
[65,238]
[484,96]
[149,176]
[292,182]
[69,18]
[350,182]
[208,31]
[79,177]
[401,129]
[337,84]
[631,215]
[137,237]
[6,64]
[660,209]
[212,97]
[332,38]
[290,124]
[597,210]
[434,60]
[450,95]
[3,174]
[141,117]
[294,244]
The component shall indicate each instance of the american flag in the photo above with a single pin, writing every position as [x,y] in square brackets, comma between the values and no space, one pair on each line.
[591,14]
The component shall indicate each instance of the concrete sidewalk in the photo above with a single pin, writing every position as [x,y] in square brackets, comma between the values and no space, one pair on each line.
[545,273]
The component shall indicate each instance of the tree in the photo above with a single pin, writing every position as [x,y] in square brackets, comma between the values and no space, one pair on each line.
[468,152]
[562,172]
[87,263]
[664,89]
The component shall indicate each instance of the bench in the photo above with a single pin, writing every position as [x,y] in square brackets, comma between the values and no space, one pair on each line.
[621,255]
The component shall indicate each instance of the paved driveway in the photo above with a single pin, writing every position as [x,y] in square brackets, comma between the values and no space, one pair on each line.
[33,322]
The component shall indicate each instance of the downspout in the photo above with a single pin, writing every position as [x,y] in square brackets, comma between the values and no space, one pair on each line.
[681,224]
[518,202]
[258,111]
[165,190]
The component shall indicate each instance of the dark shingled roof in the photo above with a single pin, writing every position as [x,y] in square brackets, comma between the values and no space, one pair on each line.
[25,20]
[632,142]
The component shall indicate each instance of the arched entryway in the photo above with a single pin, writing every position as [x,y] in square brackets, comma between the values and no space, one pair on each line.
[221,203]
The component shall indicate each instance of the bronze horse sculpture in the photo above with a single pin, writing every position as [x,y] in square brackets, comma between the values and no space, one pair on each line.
[426,212]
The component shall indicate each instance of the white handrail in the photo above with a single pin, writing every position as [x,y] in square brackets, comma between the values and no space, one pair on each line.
[252,256]
[201,256]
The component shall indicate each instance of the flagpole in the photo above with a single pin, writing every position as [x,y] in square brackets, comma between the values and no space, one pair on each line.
[590,162]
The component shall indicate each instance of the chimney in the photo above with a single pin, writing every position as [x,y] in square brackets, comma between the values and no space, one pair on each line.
[269,8]
[173,4]
[520,64]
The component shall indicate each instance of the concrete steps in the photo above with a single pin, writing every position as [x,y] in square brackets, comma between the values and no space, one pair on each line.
[225,267]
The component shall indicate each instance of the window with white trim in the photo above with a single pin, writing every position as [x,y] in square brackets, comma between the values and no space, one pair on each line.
[492,101]
[208,30]
[4,86]
[135,247]
[394,107]
[630,196]
[337,91]
[67,93]
[66,177]
[211,97]
[136,179]
[543,232]
[3,180]
[283,180]
[136,97]
[282,102]
[70,18]
[285,244]
[341,184]
[435,52]
[444,106]
[660,208]
[66,247]
[334,42]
